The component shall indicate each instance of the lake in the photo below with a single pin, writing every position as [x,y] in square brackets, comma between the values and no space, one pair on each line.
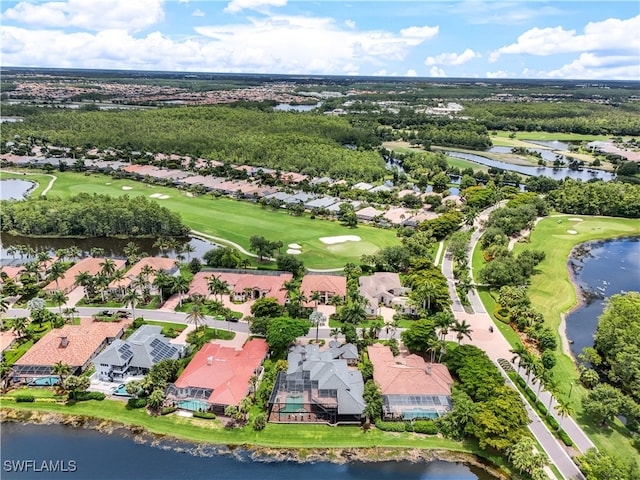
[113,247]
[555,173]
[14,188]
[286,107]
[601,269]
[94,455]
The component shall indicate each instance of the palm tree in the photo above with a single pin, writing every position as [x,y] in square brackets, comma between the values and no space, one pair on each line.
[96,252]
[180,286]
[147,271]
[108,267]
[217,286]
[73,252]
[335,332]
[61,369]
[188,249]
[519,352]
[564,409]
[4,306]
[70,313]
[117,277]
[443,321]
[132,297]
[130,251]
[19,325]
[84,279]
[316,318]
[59,298]
[315,297]
[56,272]
[195,315]
[462,329]
[162,243]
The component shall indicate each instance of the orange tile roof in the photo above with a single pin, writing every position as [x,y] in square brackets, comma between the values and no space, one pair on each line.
[12,272]
[6,339]
[271,285]
[84,340]
[157,263]
[89,265]
[229,372]
[334,284]
[408,376]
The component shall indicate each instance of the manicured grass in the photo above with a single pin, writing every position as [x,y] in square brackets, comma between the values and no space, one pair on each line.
[461,163]
[41,180]
[237,220]
[553,294]
[274,435]
[545,136]
[406,147]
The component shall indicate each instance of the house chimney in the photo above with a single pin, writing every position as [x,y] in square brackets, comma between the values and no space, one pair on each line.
[209,360]
[64,341]
[428,369]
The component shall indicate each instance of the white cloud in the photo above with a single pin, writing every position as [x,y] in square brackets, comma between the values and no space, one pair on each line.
[350,23]
[436,72]
[590,66]
[411,73]
[417,35]
[235,6]
[94,15]
[611,35]
[198,13]
[280,44]
[501,13]
[498,74]
[452,58]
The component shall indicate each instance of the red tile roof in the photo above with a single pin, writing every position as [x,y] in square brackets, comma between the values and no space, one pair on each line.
[89,265]
[227,373]
[334,284]
[83,342]
[408,376]
[270,285]
[157,263]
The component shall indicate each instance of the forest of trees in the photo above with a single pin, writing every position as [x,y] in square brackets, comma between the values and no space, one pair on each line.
[86,215]
[597,198]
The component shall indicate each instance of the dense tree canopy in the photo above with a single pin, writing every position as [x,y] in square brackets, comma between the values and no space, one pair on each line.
[91,216]
[597,198]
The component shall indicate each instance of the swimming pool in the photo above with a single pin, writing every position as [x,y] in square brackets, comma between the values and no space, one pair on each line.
[44,381]
[193,405]
[121,391]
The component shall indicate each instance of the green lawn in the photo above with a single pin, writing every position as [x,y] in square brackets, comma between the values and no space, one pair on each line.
[545,136]
[237,221]
[553,294]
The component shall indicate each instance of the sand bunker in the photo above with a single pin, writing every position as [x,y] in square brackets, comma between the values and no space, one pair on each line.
[340,239]
[575,220]
[294,251]
[571,232]
[295,246]
[163,197]
[108,183]
[155,195]
[127,188]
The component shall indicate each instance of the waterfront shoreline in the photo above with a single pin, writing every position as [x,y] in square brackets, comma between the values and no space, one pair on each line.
[256,453]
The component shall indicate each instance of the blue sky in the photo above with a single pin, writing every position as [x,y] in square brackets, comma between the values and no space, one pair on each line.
[590,40]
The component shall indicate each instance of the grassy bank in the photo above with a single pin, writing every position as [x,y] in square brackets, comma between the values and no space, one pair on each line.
[553,294]
[237,221]
[280,436]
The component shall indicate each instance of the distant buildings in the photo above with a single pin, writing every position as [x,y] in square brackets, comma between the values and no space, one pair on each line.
[411,388]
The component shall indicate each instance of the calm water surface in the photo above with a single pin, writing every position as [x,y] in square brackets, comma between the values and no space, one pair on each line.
[98,456]
[14,189]
[601,269]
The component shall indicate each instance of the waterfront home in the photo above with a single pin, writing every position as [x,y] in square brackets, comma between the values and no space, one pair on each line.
[244,285]
[327,286]
[411,388]
[318,387]
[218,376]
[384,288]
[135,355]
[89,265]
[153,265]
[73,345]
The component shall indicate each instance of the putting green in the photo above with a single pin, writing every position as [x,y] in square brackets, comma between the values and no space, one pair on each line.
[237,221]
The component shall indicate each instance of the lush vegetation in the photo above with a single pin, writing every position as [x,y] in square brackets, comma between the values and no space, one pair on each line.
[597,198]
[90,216]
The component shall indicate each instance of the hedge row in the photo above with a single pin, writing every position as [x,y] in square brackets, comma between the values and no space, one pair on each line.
[565,438]
[136,403]
[425,426]
[168,410]
[83,396]
[25,398]
[205,415]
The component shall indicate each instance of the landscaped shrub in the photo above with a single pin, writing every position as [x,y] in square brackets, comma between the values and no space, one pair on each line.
[25,398]
[530,394]
[522,382]
[390,426]
[425,426]
[205,415]
[541,407]
[553,422]
[260,421]
[502,314]
[136,403]
[565,438]
[408,426]
[168,410]
[82,396]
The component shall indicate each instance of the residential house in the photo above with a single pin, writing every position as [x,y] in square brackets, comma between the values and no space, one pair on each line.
[411,388]
[218,376]
[384,288]
[368,214]
[135,355]
[89,265]
[73,345]
[244,285]
[362,186]
[317,388]
[157,264]
[326,285]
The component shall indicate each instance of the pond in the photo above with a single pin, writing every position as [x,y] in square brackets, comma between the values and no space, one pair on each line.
[113,247]
[546,154]
[600,269]
[15,188]
[555,173]
[90,454]
[286,107]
